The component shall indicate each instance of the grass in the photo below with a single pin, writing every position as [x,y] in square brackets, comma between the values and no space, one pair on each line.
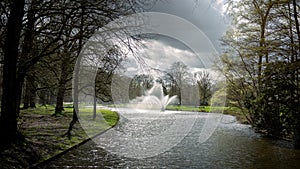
[234,111]
[44,135]
[196,108]
[104,119]
[217,109]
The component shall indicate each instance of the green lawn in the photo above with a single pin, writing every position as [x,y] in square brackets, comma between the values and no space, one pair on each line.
[104,120]
[45,134]
[225,110]
[196,109]
[214,109]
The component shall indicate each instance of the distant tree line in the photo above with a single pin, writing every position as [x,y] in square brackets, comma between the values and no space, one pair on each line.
[191,89]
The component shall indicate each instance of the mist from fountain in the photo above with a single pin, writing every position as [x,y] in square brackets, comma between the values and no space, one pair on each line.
[153,99]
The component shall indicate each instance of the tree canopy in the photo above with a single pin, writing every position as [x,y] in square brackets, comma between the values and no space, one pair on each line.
[261,59]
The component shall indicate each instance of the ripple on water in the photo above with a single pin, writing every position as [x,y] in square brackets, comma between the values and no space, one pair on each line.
[232,145]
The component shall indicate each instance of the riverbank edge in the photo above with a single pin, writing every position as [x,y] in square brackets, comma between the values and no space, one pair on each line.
[56,156]
[206,109]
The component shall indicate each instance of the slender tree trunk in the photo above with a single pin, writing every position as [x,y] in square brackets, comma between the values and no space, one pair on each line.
[75,77]
[27,95]
[95,105]
[293,53]
[29,100]
[262,40]
[64,73]
[43,98]
[296,21]
[60,99]
[11,92]
[30,93]
[72,123]
[32,99]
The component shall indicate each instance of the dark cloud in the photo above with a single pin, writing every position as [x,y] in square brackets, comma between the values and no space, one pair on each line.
[202,13]
[168,41]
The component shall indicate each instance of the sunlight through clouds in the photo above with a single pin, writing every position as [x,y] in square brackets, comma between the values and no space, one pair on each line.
[159,55]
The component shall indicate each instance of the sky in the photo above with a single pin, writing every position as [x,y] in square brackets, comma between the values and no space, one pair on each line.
[207,15]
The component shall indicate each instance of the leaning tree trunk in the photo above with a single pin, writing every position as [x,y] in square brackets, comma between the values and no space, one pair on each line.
[11,92]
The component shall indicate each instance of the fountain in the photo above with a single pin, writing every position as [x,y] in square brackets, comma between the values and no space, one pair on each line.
[153,99]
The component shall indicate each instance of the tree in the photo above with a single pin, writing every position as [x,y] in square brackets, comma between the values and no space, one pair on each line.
[11,83]
[30,92]
[176,78]
[139,84]
[37,30]
[204,83]
[112,59]
[261,51]
[108,64]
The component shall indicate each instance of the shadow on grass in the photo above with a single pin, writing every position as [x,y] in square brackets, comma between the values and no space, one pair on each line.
[44,136]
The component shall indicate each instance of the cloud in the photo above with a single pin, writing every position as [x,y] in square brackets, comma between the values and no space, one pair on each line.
[215,75]
[161,55]
[208,15]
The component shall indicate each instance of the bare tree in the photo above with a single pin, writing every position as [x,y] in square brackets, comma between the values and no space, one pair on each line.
[177,76]
[34,30]
[139,84]
[205,83]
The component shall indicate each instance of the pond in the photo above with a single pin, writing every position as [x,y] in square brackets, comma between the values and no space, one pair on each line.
[231,145]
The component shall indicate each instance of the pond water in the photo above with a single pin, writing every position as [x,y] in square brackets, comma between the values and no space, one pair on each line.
[232,145]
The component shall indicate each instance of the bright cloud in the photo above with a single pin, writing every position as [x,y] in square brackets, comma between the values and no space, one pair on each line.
[161,56]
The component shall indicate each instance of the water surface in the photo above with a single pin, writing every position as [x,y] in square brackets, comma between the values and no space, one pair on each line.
[232,145]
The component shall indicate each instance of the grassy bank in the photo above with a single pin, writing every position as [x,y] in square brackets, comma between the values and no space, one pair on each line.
[226,110]
[44,135]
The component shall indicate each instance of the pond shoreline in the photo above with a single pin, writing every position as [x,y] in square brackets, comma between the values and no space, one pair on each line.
[37,165]
[34,162]
[233,145]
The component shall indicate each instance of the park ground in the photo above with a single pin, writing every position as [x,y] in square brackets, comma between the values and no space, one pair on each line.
[44,134]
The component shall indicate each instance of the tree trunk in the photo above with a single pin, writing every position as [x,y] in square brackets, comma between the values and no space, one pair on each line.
[75,78]
[30,93]
[43,98]
[297,136]
[60,99]
[11,92]
[26,96]
[72,123]
[95,105]
[64,73]
[296,21]
[29,100]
